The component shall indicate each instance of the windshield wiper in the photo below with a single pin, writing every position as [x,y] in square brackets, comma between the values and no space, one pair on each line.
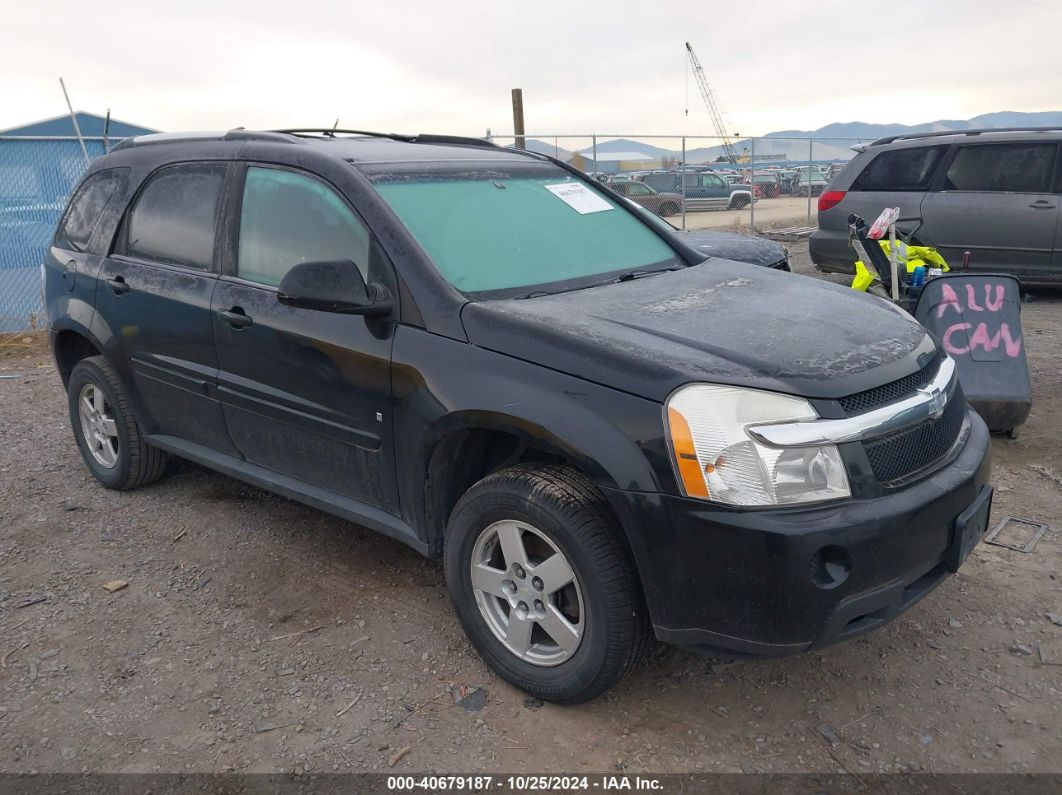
[642,273]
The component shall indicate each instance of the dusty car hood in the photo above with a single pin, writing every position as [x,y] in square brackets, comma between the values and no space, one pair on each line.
[720,321]
[731,245]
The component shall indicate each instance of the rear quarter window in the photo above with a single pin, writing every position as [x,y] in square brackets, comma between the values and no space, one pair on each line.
[86,208]
[900,169]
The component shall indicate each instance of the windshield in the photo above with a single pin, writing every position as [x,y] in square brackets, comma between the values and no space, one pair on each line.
[501,229]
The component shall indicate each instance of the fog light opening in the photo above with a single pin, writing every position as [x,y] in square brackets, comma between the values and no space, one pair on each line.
[830,567]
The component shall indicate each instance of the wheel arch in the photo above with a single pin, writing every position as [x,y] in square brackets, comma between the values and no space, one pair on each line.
[467,446]
[70,345]
[739,199]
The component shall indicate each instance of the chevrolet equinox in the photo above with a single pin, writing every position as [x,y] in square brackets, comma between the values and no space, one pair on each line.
[604,436]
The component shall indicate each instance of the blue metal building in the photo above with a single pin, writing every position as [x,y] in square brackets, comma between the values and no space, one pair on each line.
[40,163]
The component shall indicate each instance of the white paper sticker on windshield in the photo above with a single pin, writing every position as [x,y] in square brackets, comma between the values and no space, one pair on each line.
[579,197]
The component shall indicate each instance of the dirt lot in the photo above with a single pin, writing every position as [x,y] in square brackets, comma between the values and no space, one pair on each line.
[770,214]
[259,635]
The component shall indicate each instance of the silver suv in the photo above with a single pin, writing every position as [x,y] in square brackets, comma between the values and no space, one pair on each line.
[994,193]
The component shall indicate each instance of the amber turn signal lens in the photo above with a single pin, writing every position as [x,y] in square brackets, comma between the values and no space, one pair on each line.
[686,456]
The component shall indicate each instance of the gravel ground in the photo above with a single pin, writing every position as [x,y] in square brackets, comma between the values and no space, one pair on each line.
[256,634]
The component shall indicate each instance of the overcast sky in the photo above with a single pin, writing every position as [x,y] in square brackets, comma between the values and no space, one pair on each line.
[448,66]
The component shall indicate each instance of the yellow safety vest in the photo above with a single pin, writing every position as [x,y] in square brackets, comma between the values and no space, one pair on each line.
[907,256]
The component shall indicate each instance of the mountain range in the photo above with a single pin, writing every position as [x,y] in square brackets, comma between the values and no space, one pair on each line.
[779,142]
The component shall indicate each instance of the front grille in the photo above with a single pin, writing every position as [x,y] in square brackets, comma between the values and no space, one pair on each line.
[889,393]
[906,452]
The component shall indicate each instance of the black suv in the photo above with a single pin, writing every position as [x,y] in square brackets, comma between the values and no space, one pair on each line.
[491,358]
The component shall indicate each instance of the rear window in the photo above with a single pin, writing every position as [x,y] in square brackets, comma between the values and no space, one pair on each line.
[1013,168]
[900,169]
[86,209]
[491,229]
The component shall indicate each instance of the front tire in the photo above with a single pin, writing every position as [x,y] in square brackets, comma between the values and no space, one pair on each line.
[739,203]
[668,209]
[543,583]
[106,431]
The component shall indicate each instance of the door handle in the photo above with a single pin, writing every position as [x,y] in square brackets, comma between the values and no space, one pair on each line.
[1042,204]
[236,317]
[118,285]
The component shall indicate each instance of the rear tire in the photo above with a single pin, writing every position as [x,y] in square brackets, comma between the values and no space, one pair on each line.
[106,431]
[557,517]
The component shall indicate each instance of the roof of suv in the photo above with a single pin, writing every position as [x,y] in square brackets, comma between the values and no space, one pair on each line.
[948,136]
[352,145]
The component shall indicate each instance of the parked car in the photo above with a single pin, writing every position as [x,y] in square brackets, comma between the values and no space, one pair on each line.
[834,169]
[716,243]
[752,249]
[768,182]
[809,182]
[640,193]
[704,190]
[993,193]
[786,179]
[492,358]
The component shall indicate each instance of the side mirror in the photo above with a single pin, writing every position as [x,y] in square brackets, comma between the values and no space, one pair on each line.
[333,286]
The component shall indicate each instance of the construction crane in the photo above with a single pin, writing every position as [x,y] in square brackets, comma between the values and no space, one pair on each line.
[712,104]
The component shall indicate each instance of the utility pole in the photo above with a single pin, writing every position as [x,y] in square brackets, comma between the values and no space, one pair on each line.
[518,118]
[77,127]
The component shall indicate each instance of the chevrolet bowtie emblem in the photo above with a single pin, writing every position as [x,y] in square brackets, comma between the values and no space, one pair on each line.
[938,399]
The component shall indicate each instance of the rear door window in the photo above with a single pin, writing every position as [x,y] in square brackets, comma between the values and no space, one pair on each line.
[86,209]
[174,220]
[1007,168]
[900,169]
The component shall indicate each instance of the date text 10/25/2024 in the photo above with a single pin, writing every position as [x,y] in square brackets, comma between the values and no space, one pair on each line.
[523,783]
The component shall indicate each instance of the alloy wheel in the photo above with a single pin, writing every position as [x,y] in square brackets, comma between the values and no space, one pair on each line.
[528,593]
[98,427]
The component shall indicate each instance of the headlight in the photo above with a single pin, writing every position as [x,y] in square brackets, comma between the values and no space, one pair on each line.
[718,460]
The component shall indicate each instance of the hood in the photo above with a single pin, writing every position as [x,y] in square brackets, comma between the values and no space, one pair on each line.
[731,245]
[718,322]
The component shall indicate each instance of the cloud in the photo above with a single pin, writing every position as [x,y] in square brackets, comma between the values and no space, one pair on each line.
[449,66]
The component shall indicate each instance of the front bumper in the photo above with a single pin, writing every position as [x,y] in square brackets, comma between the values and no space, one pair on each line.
[749,583]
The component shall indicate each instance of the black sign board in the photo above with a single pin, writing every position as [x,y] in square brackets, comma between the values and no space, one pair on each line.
[977,318]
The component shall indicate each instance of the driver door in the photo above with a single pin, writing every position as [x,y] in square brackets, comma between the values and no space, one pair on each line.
[305,393]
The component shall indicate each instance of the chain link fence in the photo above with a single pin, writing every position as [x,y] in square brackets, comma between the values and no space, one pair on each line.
[37,175]
[696,182]
[700,182]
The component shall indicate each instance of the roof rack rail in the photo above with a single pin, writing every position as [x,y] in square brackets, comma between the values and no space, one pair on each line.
[971,132]
[243,134]
[237,134]
[420,138]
